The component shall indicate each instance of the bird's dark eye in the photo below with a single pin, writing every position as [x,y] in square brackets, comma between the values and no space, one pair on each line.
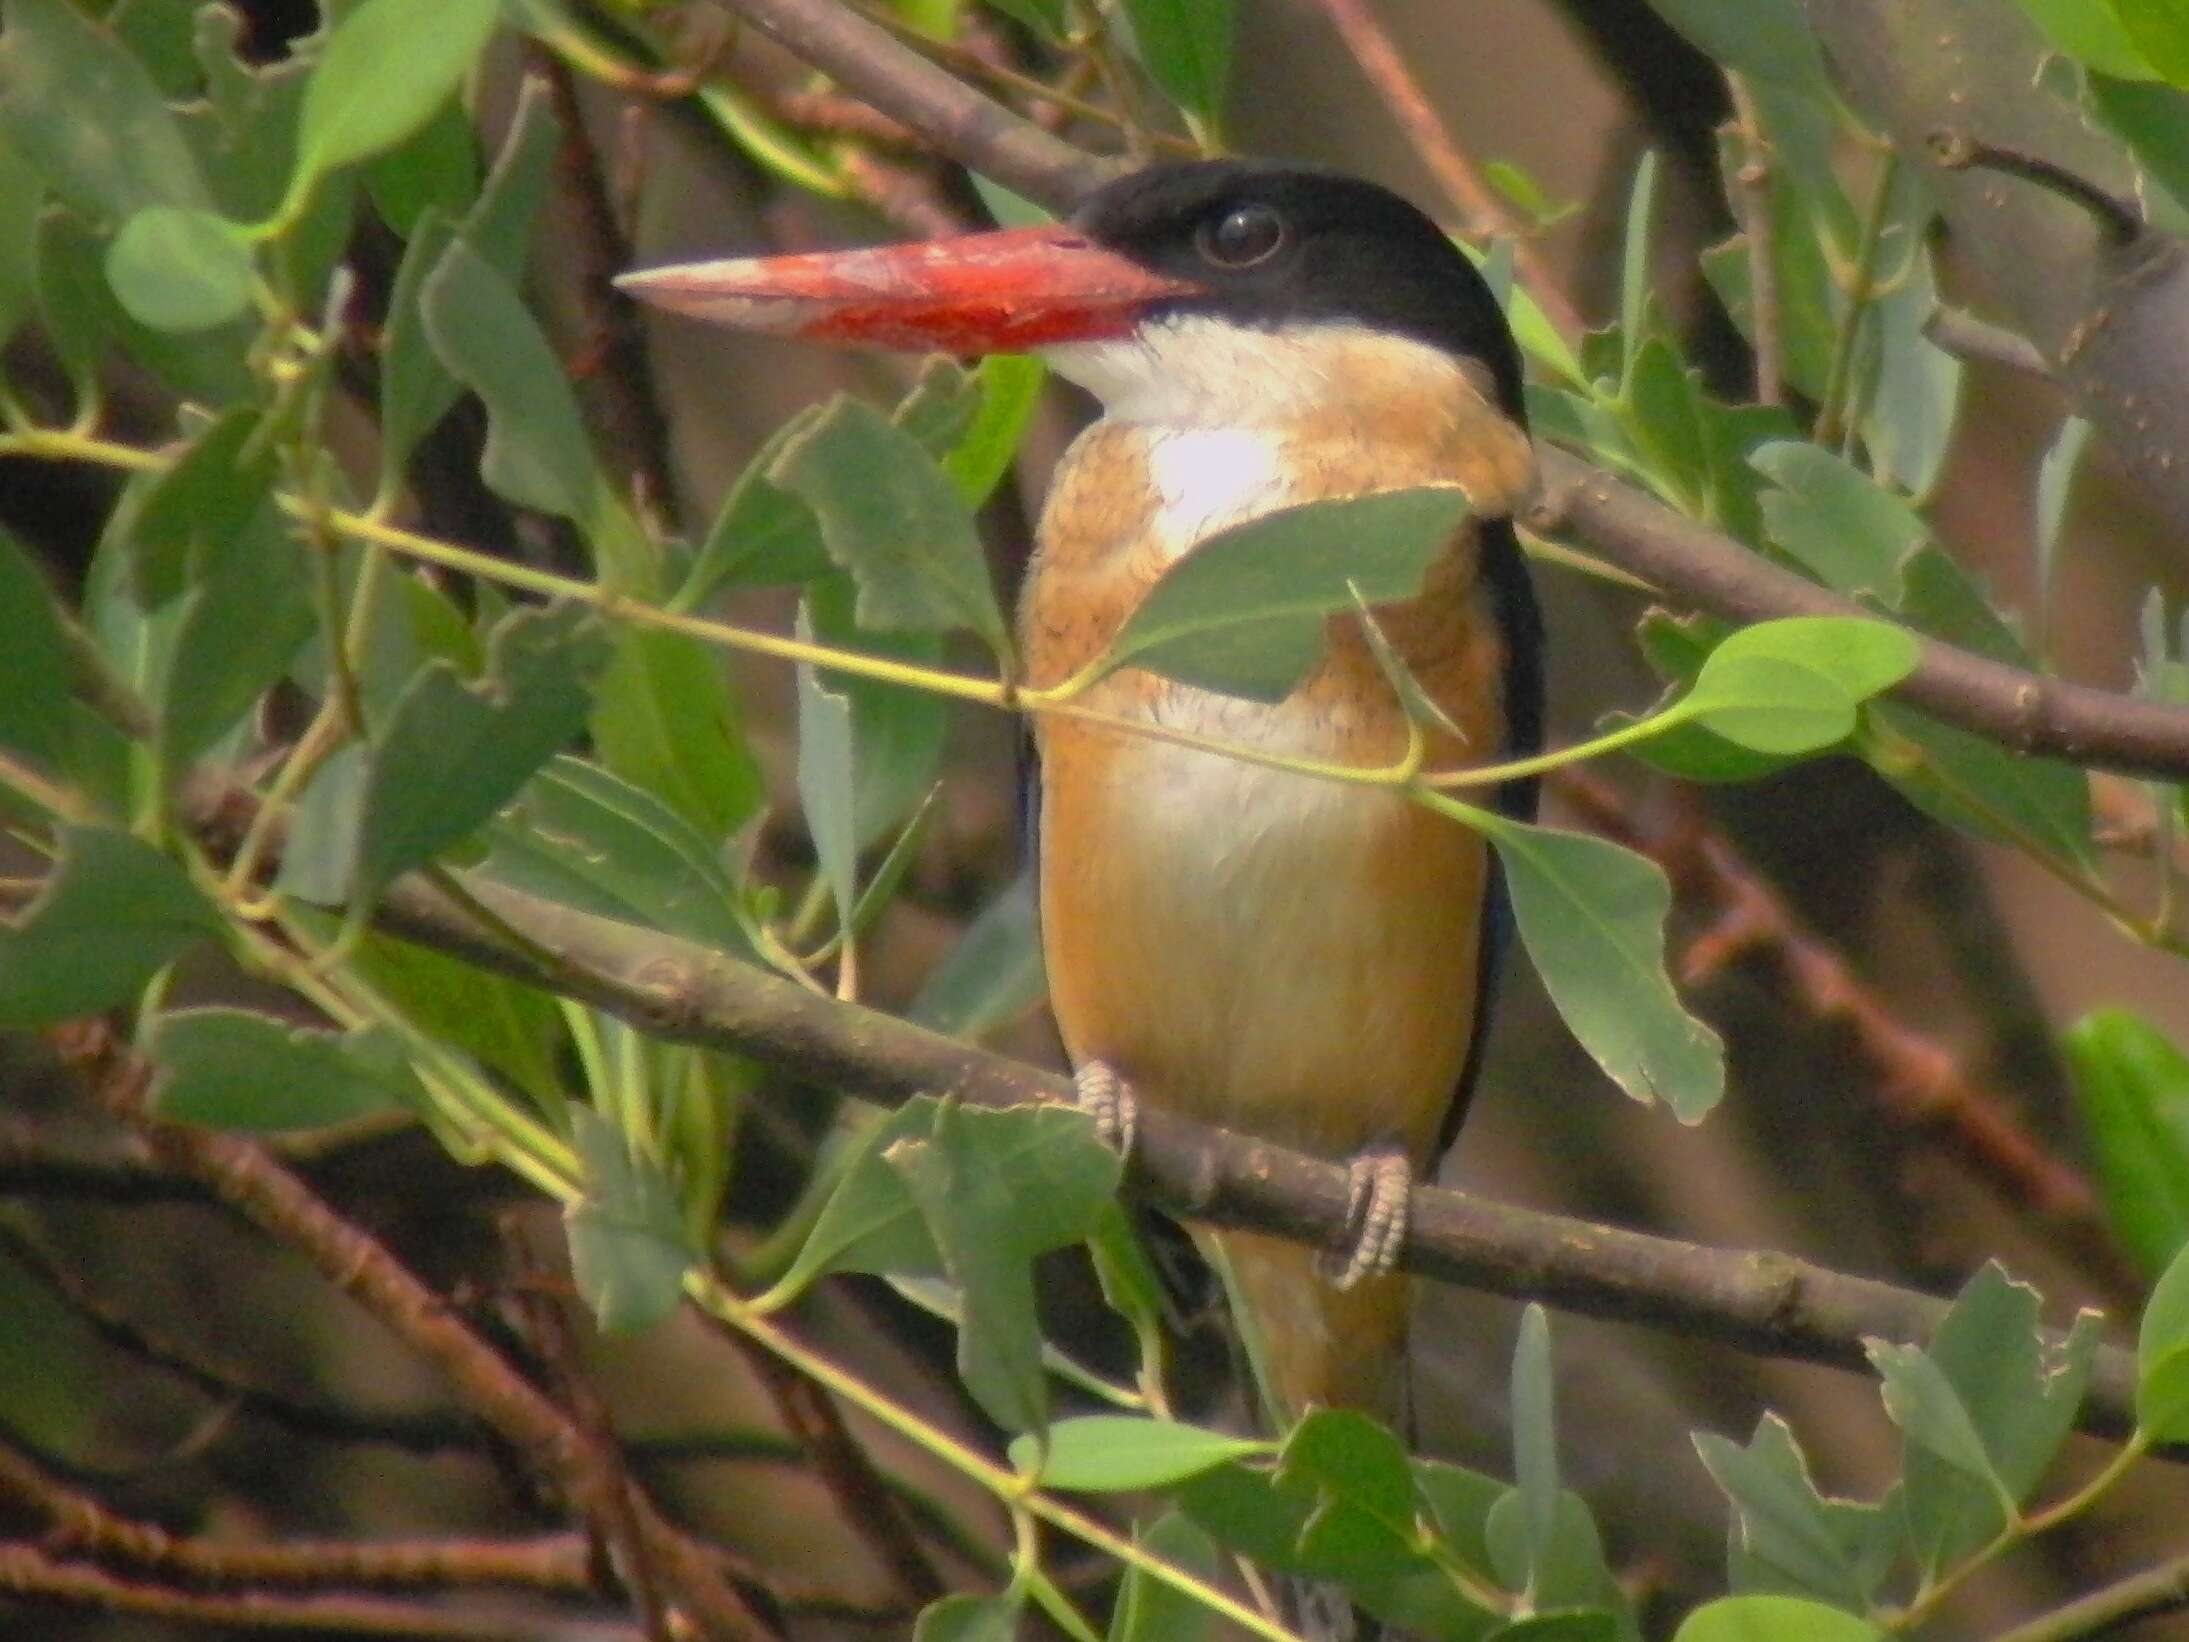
[1242,237]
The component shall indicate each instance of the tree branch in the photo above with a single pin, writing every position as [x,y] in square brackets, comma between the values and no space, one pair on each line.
[249,1179]
[2028,712]
[2023,710]
[1770,1304]
[31,1576]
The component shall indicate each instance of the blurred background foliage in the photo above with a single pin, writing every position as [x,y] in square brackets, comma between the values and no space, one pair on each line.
[357,276]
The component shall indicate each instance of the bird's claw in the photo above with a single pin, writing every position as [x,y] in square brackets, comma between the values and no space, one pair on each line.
[1107,1098]
[1379,1203]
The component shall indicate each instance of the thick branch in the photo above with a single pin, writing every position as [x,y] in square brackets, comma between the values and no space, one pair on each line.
[2028,712]
[1771,1304]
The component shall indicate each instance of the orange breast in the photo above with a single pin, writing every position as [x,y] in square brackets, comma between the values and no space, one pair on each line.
[1288,956]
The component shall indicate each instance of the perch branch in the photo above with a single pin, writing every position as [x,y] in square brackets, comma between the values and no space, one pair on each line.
[1770,1304]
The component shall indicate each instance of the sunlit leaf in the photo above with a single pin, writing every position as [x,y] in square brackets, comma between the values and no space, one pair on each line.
[1773,1619]
[1793,686]
[1246,612]
[358,104]
[1149,1609]
[1116,1453]
[1592,916]
[2132,1084]
[177,268]
[1185,45]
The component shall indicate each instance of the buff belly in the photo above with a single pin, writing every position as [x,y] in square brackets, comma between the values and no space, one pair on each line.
[1287,956]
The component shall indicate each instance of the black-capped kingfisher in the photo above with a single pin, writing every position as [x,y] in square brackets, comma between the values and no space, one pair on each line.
[1306,961]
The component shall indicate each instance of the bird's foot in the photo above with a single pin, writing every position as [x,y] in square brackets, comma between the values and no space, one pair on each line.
[1379,1202]
[1107,1098]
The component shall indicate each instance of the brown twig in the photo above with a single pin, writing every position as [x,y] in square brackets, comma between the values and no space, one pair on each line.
[545,1327]
[1919,1082]
[614,357]
[33,1577]
[38,1161]
[861,1493]
[1752,180]
[1978,341]
[2024,711]
[78,1526]
[1486,213]
[1767,1303]
[248,1178]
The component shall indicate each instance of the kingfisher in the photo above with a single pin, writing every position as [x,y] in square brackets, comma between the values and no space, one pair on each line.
[1306,961]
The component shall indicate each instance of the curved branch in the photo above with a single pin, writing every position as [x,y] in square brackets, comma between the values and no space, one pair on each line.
[1770,1304]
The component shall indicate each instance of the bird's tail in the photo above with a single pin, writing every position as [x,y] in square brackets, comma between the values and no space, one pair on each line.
[1308,1342]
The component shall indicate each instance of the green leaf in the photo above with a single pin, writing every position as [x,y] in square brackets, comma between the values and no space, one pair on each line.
[1768,39]
[2152,118]
[895,521]
[1773,1619]
[112,914]
[763,534]
[1634,265]
[825,778]
[388,66]
[628,1252]
[1835,521]
[664,720]
[1245,613]
[210,492]
[1116,1453]
[1663,409]
[89,116]
[997,1189]
[1010,389]
[1788,1537]
[1593,918]
[2133,1087]
[415,390]
[1354,1461]
[177,268]
[34,662]
[437,169]
[2162,1356]
[1535,1443]
[1569,1571]
[1185,45]
[1148,1609]
[2055,481]
[1923,1403]
[1794,686]
[452,755]
[1563,1625]
[22,193]
[898,732]
[970,1619]
[1045,17]
[583,837]
[510,1028]
[238,629]
[238,1069]
[993,974]
[1908,424]
[536,450]
[2160,30]
[870,1222]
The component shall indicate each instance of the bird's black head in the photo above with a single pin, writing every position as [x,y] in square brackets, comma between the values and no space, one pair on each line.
[1270,245]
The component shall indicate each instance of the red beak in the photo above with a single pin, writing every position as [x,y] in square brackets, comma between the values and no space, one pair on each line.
[1002,292]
